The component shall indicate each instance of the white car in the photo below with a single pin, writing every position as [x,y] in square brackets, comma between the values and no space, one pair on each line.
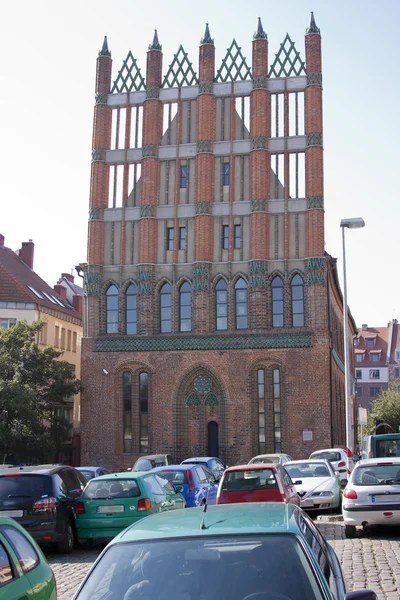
[372,496]
[280,459]
[338,459]
[316,483]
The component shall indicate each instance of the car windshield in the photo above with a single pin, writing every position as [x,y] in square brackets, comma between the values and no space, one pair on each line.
[307,469]
[25,485]
[376,474]
[264,460]
[331,456]
[175,476]
[111,488]
[207,568]
[235,481]
[145,464]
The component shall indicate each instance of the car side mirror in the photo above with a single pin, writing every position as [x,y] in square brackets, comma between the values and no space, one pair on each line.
[361,595]
[178,488]
[298,482]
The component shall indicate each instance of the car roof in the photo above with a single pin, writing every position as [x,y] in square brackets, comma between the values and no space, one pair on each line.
[39,469]
[200,458]
[386,460]
[123,475]
[222,519]
[269,454]
[89,468]
[252,467]
[152,456]
[328,450]
[323,461]
[170,468]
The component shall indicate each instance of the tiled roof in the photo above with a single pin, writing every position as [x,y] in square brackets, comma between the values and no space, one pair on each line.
[16,276]
[380,337]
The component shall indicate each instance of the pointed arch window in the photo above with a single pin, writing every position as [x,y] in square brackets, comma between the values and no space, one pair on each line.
[143,412]
[297,301]
[166,308]
[277,302]
[221,301]
[241,304]
[185,307]
[127,410]
[269,407]
[112,309]
[131,310]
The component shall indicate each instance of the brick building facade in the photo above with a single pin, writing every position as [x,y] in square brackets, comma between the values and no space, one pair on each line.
[213,314]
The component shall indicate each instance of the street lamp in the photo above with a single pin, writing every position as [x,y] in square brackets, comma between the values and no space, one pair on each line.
[349,224]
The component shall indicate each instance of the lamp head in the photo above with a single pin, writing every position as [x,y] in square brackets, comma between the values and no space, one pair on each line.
[353,223]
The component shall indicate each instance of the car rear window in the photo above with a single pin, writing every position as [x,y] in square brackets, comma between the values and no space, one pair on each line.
[218,566]
[235,481]
[307,469]
[331,456]
[111,488]
[145,464]
[176,476]
[376,475]
[265,460]
[88,474]
[25,485]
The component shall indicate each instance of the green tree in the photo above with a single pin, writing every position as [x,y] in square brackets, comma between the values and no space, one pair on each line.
[385,408]
[32,383]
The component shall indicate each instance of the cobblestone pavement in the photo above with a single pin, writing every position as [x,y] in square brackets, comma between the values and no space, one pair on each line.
[371,561]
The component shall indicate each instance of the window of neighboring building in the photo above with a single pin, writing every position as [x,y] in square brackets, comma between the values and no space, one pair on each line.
[69,336]
[127,410]
[182,238]
[225,236]
[183,176]
[221,301]
[74,341]
[358,374]
[359,357]
[185,307]
[43,334]
[143,413]
[241,303]
[374,374]
[297,301]
[112,309]
[374,391]
[226,173]
[355,342]
[238,236]
[166,308]
[397,372]
[131,310]
[397,354]
[358,392]
[62,344]
[375,357]
[170,238]
[56,336]
[370,342]
[7,323]
[277,302]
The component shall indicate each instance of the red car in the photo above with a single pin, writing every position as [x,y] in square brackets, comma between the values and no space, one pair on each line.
[256,483]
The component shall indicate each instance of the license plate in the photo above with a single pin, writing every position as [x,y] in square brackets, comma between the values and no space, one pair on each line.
[385,498]
[118,508]
[306,504]
[12,513]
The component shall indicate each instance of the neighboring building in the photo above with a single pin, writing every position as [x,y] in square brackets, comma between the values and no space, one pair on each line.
[394,347]
[371,363]
[213,314]
[25,296]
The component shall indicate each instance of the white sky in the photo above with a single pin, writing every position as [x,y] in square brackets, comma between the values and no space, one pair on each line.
[47,77]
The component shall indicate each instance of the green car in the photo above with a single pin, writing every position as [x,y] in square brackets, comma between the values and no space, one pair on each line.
[24,571]
[111,503]
[249,551]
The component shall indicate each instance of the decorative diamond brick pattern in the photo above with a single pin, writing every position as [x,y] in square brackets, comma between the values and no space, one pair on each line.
[203,208]
[314,139]
[91,283]
[259,142]
[234,66]
[203,146]
[98,155]
[287,61]
[94,214]
[152,91]
[260,83]
[315,268]
[147,210]
[129,77]
[315,202]
[203,343]
[100,98]
[206,87]
[314,78]
[259,205]
[180,71]
[257,267]
[257,281]
[149,150]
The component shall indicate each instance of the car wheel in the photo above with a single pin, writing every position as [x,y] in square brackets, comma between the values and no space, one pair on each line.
[66,545]
[350,531]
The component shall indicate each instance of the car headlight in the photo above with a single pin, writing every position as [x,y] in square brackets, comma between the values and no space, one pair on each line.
[322,494]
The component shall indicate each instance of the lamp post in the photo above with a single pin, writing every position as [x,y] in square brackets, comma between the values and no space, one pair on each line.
[349,224]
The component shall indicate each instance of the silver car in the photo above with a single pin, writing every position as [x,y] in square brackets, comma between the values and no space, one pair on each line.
[317,484]
[280,459]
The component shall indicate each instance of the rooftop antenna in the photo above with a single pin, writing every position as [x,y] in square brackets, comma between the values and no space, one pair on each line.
[202,526]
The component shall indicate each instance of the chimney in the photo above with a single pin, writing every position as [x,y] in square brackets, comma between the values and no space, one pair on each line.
[77,303]
[68,276]
[364,326]
[26,253]
[1,239]
[61,291]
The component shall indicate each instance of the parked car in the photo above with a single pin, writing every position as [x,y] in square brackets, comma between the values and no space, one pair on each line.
[255,551]
[110,503]
[42,499]
[259,483]
[214,464]
[372,495]
[338,459]
[195,482]
[91,472]
[24,571]
[270,458]
[316,483]
[150,461]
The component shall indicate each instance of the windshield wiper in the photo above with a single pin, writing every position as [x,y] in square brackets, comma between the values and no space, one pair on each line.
[18,496]
[389,481]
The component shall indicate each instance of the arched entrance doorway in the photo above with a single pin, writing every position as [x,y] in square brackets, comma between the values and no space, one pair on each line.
[212,438]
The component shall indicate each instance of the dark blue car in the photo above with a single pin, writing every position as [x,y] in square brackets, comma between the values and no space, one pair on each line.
[214,464]
[195,482]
